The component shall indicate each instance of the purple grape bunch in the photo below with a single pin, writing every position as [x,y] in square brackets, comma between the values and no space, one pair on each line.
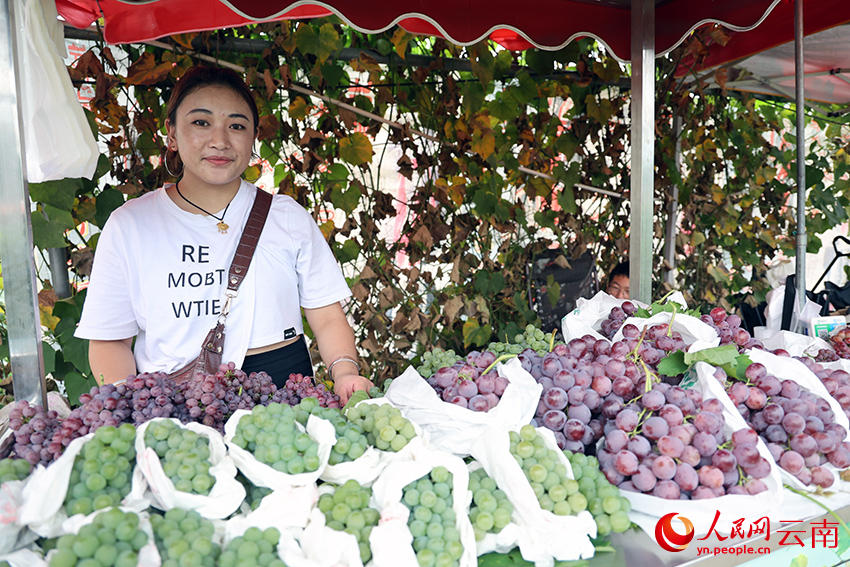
[466,384]
[299,386]
[836,381]
[671,443]
[728,328]
[34,428]
[616,318]
[797,425]
[840,343]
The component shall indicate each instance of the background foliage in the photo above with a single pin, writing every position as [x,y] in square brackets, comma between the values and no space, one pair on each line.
[470,218]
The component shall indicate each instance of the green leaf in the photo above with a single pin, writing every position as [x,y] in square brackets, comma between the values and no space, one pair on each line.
[107,201]
[502,109]
[348,251]
[49,357]
[44,234]
[800,561]
[553,290]
[75,351]
[673,364]
[60,193]
[717,356]
[527,90]
[320,43]
[356,149]
[482,62]
[60,217]
[75,385]
[476,334]
[338,172]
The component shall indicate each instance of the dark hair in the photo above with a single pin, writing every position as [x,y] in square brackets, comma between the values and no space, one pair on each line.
[621,269]
[202,76]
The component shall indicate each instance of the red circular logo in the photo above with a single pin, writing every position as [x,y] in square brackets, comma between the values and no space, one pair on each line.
[668,538]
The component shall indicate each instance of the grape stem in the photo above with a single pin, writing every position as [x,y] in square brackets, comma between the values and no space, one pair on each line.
[498,360]
[822,505]
[552,340]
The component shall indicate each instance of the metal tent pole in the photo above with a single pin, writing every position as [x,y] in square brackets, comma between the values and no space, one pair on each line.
[673,210]
[16,245]
[643,149]
[799,80]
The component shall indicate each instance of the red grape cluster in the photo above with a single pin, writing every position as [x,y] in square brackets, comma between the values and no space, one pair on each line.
[651,447]
[298,387]
[840,343]
[836,381]
[728,328]
[34,428]
[465,384]
[797,425]
[616,317]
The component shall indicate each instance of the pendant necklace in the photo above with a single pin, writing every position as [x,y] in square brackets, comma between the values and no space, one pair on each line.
[222,226]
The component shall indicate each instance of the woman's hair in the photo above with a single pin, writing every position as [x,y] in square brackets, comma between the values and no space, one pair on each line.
[200,76]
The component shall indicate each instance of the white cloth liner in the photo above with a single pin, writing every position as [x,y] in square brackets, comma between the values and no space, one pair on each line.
[455,429]
[226,494]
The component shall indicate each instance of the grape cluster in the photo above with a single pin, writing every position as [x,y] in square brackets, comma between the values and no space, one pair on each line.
[530,338]
[797,425]
[836,381]
[432,520]
[840,343]
[113,539]
[185,538]
[650,447]
[298,387]
[14,469]
[346,509]
[465,384]
[385,428]
[604,501]
[490,510]
[555,491]
[205,399]
[728,328]
[351,441]
[616,318]
[184,455]
[435,359]
[34,430]
[253,494]
[256,547]
[380,391]
[101,474]
[150,395]
[271,435]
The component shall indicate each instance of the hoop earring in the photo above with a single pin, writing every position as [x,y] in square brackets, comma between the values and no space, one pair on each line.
[168,169]
[255,155]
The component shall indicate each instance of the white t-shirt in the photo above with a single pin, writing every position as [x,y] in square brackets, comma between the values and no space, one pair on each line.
[160,272]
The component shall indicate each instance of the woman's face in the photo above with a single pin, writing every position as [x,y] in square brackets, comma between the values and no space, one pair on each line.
[214,134]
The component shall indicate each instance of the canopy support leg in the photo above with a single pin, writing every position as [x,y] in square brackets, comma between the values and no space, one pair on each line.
[799,82]
[673,209]
[643,149]
[16,244]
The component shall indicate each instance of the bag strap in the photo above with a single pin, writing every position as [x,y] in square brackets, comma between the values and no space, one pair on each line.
[789,301]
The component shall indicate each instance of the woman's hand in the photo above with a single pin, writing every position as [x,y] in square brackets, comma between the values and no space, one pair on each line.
[346,385]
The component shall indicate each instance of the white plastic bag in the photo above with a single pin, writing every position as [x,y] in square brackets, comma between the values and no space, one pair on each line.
[794,343]
[696,334]
[391,541]
[321,546]
[44,495]
[647,509]
[503,541]
[455,429]
[297,501]
[11,499]
[225,495]
[801,317]
[543,537]
[23,558]
[57,137]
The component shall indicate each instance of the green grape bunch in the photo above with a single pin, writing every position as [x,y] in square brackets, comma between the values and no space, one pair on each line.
[490,510]
[113,539]
[253,494]
[351,441]
[432,521]
[102,472]
[610,510]
[255,548]
[435,359]
[531,337]
[14,469]
[346,509]
[270,433]
[185,539]
[385,428]
[184,455]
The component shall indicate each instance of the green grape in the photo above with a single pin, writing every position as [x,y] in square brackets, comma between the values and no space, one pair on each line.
[248,549]
[14,469]
[602,499]
[384,426]
[490,510]
[432,521]
[95,543]
[270,433]
[347,509]
[109,453]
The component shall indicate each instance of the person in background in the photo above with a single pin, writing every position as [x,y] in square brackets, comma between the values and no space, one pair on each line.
[618,281]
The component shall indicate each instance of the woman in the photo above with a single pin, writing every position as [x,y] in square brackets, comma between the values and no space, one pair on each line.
[161,261]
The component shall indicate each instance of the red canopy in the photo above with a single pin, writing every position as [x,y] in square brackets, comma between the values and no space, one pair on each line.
[548,24]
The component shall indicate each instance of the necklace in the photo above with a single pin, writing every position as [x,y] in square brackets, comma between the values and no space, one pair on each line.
[222,226]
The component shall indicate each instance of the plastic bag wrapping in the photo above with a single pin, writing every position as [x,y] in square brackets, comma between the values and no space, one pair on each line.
[261,474]
[502,542]
[696,334]
[23,558]
[773,313]
[11,499]
[58,140]
[321,546]
[587,317]
[795,343]
[391,541]
[786,368]
[543,537]
[647,509]
[297,501]
[44,494]
[455,429]
[225,495]
[148,554]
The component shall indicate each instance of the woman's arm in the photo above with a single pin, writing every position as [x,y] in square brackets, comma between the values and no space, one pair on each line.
[112,361]
[336,338]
